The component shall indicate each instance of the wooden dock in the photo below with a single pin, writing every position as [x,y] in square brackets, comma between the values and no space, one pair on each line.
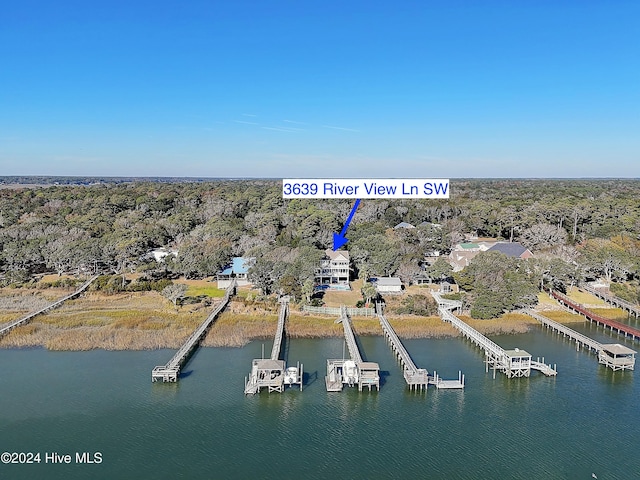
[614,356]
[612,299]
[27,318]
[513,363]
[621,328]
[580,339]
[350,372]
[272,373]
[416,378]
[170,371]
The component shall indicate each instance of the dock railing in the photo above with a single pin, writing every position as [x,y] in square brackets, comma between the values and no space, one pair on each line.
[579,338]
[352,345]
[277,340]
[593,317]
[27,318]
[612,299]
[170,371]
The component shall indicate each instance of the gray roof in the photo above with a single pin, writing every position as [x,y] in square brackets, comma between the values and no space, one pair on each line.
[333,255]
[510,249]
[617,349]
[404,225]
[388,281]
[517,352]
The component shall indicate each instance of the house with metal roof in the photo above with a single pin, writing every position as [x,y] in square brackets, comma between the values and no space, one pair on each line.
[511,249]
[238,269]
[388,284]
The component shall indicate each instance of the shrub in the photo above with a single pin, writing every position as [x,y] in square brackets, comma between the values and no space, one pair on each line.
[417,305]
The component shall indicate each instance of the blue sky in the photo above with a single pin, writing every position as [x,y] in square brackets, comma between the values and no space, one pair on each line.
[315,89]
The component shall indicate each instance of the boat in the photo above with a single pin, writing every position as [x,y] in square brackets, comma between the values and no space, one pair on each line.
[350,372]
[291,375]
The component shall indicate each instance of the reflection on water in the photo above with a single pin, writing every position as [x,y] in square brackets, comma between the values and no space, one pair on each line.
[204,426]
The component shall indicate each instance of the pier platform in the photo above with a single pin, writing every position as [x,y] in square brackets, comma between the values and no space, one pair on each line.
[513,363]
[171,371]
[614,356]
[272,373]
[351,372]
[416,378]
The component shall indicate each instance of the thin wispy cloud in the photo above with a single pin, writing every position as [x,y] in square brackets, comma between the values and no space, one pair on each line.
[340,128]
[249,115]
[245,122]
[283,129]
[294,122]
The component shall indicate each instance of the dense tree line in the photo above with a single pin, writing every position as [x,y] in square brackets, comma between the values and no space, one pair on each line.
[577,229]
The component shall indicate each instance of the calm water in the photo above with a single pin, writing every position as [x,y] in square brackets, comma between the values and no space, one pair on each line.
[582,422]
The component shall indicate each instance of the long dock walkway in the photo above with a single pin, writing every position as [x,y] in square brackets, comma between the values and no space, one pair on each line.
[513,363]
[416,378]
[354,371]
[271,373]
[352,346]
[580,339]
[27,318]
[612,299]
[614,356]
[592,317]
[170,371]
[277,340]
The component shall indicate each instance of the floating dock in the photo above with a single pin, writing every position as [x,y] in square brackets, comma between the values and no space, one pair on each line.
[614,355]
[416,378]
[272,373]
[594,318]
[170,371]
[353,371]
[513,363]
[27,318]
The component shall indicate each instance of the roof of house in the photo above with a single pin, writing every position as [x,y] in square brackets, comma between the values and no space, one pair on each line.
[510,249]
[238,265]
[429,224]
[389,282]
[404,225]
[334,255]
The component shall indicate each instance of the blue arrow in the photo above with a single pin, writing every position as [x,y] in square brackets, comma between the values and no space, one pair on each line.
[340,240]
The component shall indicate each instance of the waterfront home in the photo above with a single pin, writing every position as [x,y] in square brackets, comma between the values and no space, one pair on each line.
[238,269]
[333,269]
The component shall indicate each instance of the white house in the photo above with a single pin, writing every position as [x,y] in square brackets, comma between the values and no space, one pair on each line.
[388,285]
[238,269]
[333,269]
[159,254]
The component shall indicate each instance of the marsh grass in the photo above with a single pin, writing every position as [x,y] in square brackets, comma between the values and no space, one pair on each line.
[585,298]
[410,326]
[117,322]
[506,324]
[146,320]
[611,313]
[563,316]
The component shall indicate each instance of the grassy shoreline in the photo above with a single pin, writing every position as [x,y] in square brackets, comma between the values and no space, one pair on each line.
[146,320]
